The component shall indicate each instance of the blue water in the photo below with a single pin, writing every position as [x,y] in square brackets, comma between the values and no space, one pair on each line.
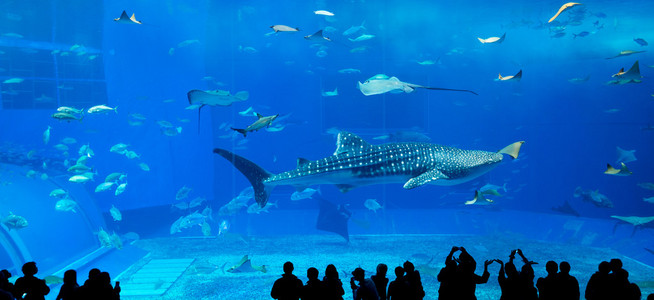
[571,130]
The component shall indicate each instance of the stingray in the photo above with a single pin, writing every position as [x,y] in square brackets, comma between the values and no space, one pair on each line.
[637,222]
[491,40]
[125,19]
[515,77]
[317,37]
[623,171]
[198,98]
[245,266]
[625,53]
[479,200]
[625,156]
[631,76]
[380,84]
[567,209]
[333,218]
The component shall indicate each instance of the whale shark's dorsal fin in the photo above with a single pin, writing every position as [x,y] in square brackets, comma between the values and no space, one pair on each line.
[431,175]
[513,150]
[347,142]
[302,162]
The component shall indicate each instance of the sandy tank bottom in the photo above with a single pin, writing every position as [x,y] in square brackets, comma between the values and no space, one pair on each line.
[207,276]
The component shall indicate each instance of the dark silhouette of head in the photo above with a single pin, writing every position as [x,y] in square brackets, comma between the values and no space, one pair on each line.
[94,273]
[312,273]
[399,272]
[6,273]
[650,296]
[288,267]
[104,278]
[565,267]
[511,271]
[70,277]
[330,271]
[604,267]
[29,268]
[616,264]
[359,274]
[466,262]
[551,267]
[382,269]
[408,267]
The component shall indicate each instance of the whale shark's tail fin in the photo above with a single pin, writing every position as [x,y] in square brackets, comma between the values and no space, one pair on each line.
[255,174]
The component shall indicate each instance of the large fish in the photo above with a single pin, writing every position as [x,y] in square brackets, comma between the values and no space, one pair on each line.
[381,83]
[356,163]
[631,76]
[198,98]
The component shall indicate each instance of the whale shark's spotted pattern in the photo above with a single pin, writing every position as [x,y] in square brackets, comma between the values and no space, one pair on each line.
[356,163]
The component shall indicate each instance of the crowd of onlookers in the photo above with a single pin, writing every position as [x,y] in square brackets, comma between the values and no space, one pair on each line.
[458,281]
[457,278]
[29,287]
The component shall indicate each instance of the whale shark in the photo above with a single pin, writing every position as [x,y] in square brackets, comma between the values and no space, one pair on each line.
[356,163]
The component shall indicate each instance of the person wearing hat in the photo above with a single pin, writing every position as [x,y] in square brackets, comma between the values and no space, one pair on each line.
[366,290]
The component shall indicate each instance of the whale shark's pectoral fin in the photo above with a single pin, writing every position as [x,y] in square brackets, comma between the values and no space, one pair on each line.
[424,178]
[512,149]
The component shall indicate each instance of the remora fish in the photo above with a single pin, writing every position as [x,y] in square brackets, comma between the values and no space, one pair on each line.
[356,163]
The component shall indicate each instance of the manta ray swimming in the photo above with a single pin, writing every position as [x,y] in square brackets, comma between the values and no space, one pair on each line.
[125,19]
[381,83]
[631,76]
[198,99]
[356,163]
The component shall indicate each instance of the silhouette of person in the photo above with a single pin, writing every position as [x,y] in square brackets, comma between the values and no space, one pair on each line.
[568,285]
[332,283]
[380,280]
[416,291]
[398,289]
[366,289]
[526,282]
[618,280]
[598,285]
[68,290]
[4,294]
[289,286]
[447,277]
[650,296]
[90,288]
[313,290]
[466,280]
[509,279]
[105,290]
[547,286]
[33,288]
[5,285]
